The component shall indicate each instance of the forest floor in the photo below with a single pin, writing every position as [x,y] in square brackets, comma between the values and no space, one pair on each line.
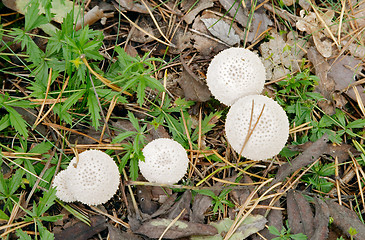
[136,73]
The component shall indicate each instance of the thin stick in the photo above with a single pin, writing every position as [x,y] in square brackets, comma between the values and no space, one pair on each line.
[155,22]
[172,223]
[341,19]
[101,78]
[325,25]
[337,182]
[36,122]
[250,131]
[142,30]
[58,97]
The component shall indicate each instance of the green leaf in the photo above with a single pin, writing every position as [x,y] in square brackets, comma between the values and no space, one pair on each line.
[274,231]
[44,233]
[4,122]
[3,216]
[134,121]
[72,100]
[360,123]
[17,121]
[22,235]
[32,17]
[15,181]
[352,231]
[46,201]
[207,192]
[94,110]
[299,236]
[123,136]
[41,148]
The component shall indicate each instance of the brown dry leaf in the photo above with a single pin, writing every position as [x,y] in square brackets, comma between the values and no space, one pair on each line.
[344,218]
[181,40]
[343,73]
[200,6]
[311,154]
[274,218]
[339,151]
[165,207]
[200,206]
[154,228]
[326,85]
[288,2]
[194,88]
[131,5]
[236,10]
[240,195]
[310,24]
[144,198]
[279,57]
[321,220]
[148,26]
[359,15]
[205,46]
[116,234]
[260,23]
[300,214]
[81,231]
[179,206]
[221,29]
[91,17]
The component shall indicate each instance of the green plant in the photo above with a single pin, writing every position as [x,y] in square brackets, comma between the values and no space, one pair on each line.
[133,148]
[316,176]
[218,200]
[285,234]
[134,73]
[352,231]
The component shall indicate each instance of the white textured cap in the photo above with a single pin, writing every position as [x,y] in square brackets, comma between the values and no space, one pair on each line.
[270,134]
[165,162]
[96,178]
[235,73]
[62,191]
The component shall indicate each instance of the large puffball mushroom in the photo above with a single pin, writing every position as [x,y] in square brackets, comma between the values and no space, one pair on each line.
[92,180]
[95,179]
[165,161]
[235,73]
[60,182]
[270,134]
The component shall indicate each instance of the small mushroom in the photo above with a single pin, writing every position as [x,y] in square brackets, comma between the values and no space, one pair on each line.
[165,161]
[92,181]
[235,73]
[264,139]
[60,181]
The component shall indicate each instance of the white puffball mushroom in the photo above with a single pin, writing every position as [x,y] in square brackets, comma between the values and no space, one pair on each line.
[60,182]
[270,134]
[95,179]
[235,73]
[165,161]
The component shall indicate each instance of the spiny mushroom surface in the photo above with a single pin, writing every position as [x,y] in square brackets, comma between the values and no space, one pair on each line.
[94,181]
[165,161]
[235,73]
[270,133]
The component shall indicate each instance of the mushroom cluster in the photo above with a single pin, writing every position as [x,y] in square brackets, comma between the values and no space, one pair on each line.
[256,126]
[92,180]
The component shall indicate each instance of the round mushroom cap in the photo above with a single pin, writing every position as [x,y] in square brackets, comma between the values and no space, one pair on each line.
[235,73]
[165,161]
[95,179]
[270,133]
[60,182]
